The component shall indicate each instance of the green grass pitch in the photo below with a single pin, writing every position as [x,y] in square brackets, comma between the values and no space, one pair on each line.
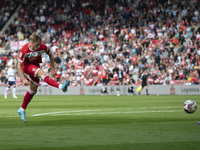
[100,123]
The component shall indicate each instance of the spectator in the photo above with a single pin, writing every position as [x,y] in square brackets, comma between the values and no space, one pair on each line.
[160,40]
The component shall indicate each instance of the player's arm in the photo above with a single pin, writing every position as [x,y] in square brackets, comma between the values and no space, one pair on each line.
[21,73]
[51,57]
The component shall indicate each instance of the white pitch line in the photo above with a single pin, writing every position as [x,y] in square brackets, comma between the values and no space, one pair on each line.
[108,113]
[76,111]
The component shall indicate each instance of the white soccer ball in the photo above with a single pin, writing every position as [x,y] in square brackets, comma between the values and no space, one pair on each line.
[190,106]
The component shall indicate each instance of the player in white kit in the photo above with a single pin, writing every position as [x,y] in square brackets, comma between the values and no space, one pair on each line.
[11,81]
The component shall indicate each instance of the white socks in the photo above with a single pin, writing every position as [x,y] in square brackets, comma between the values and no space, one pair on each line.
[60,86]
[14,91]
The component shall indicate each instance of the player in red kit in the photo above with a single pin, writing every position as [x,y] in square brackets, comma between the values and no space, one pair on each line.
[28,63]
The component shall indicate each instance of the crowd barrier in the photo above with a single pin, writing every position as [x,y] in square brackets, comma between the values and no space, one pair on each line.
[112,90]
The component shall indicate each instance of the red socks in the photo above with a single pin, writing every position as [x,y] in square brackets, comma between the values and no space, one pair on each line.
[29,95]
[27,99]
[50,81]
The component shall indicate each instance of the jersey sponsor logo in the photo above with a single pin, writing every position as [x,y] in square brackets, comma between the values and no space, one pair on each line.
[33,54]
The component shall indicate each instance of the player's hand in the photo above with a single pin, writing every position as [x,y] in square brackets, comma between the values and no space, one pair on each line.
[26,82]
[53,73]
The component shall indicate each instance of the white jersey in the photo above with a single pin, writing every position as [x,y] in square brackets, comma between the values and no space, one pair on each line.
[11,74]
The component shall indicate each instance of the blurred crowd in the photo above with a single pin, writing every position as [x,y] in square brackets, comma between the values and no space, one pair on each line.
[7,8]
[112,42]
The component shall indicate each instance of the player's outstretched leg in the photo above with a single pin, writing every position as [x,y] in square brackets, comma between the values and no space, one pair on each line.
[53,83]
[22,114]
[65,86]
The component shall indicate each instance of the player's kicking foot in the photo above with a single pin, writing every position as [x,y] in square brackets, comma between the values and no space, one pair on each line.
[5,96]
[65,86]
[15,97]
[22,114]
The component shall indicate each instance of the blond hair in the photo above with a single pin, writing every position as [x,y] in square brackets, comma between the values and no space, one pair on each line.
[36,37]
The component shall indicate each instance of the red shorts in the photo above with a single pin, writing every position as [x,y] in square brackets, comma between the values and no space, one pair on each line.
[31,71]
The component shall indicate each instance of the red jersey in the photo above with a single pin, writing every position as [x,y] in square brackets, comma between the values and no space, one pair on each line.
[28,56]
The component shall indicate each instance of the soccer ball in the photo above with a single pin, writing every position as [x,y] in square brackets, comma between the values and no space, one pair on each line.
[190,106]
